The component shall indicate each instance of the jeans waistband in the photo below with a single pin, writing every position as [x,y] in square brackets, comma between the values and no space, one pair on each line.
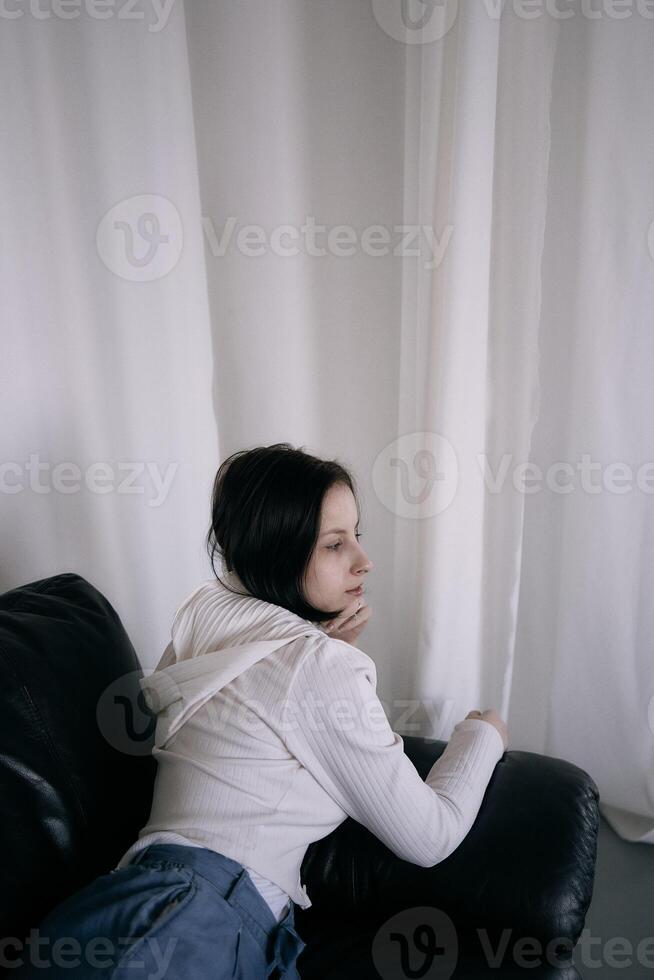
[229,877]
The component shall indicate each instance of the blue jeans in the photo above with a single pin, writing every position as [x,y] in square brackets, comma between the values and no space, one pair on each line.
[174,912]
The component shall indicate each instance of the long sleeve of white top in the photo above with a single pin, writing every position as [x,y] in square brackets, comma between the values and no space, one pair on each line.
[340,733]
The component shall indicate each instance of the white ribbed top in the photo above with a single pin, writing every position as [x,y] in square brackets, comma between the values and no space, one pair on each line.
[264,747]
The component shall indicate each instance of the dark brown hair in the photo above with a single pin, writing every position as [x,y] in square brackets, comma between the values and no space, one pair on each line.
[265,521]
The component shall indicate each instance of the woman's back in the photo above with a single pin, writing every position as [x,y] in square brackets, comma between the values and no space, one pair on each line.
[270,734]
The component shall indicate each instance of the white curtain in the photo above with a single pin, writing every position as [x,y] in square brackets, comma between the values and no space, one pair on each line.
[528,357]
[109,437]
[149,332]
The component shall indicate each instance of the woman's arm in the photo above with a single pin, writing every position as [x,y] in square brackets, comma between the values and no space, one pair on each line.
[340,733]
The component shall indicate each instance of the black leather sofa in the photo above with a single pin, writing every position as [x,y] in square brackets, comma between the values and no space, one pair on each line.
[76,778]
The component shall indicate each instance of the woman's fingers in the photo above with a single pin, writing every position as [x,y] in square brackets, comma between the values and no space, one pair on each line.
[359,608]
[347,627]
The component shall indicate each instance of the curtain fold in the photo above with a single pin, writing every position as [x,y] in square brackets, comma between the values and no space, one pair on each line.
[526,139]
[584,631]
[477,157]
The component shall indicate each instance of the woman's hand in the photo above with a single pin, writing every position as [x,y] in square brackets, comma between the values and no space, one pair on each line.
[345,627]
[494,719]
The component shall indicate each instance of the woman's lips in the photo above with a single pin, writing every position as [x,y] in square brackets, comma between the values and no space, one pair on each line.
[357,591]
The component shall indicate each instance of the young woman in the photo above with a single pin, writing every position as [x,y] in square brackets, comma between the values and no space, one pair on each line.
[269,734]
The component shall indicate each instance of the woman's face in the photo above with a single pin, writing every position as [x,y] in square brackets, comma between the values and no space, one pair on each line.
[338,562]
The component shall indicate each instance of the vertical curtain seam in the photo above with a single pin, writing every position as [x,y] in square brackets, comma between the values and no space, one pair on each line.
[535,413]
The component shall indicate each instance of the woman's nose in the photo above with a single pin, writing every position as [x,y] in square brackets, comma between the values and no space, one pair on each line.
[367,565]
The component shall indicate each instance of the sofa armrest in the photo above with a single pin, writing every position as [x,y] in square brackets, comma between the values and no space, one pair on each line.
[527,863]
[76,770]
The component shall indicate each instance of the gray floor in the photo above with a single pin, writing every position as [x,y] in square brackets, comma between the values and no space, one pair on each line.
[621,914]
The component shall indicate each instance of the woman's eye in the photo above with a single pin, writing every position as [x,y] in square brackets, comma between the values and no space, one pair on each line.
[335,547]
